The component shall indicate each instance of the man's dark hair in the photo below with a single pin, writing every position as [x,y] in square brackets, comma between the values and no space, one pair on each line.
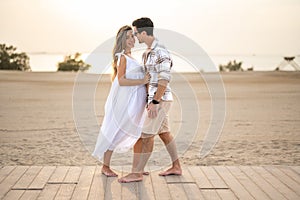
[144,24]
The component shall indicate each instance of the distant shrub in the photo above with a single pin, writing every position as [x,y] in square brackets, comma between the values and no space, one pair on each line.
[73,63]
[231,66]
[11,60]
[250,69]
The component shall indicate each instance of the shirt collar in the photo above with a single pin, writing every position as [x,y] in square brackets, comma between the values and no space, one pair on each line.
[154,43]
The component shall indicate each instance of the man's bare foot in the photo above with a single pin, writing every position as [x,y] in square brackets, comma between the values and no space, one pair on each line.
[172,171]
[108,172]
[132,177]
[146,173]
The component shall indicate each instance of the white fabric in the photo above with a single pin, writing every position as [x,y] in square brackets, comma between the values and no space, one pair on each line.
[124,113]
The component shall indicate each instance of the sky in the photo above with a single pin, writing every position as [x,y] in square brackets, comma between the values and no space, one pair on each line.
[270,27]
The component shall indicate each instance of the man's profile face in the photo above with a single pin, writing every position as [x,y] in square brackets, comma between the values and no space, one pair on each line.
[137,35]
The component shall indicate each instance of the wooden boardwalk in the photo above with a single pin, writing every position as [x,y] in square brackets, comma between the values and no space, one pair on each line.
[213,182]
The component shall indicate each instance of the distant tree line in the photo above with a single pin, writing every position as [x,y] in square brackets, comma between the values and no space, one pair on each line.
[10,59]
[73,63]
[231,66]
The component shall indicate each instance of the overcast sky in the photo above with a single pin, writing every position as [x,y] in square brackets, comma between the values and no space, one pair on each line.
[219,26]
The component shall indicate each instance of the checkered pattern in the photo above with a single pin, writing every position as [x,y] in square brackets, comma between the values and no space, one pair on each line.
[158,63]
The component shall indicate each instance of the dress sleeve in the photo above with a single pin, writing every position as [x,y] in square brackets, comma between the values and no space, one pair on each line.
[119,56]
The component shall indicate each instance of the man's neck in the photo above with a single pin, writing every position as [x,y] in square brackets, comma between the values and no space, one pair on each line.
[149,40]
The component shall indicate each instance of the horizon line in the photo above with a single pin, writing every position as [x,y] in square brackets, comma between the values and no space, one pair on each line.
[210,54]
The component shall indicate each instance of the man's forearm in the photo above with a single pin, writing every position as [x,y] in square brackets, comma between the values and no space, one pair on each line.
[161,88]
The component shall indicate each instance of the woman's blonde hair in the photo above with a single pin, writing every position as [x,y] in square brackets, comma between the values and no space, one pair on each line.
[120,45]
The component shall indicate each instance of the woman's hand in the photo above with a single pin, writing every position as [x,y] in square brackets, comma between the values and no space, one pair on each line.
[146,78]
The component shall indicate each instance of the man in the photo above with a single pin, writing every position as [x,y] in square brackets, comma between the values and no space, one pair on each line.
[158,63]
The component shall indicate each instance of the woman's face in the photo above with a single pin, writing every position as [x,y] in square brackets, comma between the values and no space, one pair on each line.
[130,39]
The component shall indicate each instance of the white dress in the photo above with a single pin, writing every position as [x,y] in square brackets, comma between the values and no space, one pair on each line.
[124,113]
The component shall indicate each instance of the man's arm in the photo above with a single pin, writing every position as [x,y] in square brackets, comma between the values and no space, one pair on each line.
[161,88]
[164,76]
[163,80]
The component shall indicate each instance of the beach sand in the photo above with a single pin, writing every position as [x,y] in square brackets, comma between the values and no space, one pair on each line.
[261,127]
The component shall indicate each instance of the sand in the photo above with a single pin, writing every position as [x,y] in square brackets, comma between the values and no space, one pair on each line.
[261,127]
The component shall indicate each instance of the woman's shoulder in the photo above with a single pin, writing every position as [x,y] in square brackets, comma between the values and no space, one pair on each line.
[121,59]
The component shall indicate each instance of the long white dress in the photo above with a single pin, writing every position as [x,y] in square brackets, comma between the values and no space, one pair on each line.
[124,113]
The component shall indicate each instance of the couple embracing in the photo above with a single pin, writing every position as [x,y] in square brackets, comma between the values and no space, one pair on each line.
[138,104]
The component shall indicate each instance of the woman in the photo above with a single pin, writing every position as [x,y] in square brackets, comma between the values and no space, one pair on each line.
[125,104]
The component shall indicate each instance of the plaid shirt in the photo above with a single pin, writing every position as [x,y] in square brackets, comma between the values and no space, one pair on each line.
[158,63]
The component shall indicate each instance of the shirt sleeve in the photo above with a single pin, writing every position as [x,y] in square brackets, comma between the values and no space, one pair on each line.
[164,65]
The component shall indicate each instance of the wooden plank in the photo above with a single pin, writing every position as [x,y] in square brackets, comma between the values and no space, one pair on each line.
[291,173]
[30,195]
[275,182]
[129,190]
[11,179]
[145,189]
[73,174]
[5,171]
[87,182]
[192,191]
[296,169]
[65,191]
[173,179]
[98,185]
[188,183]
[83,187]
[226,194]
[262,183]
[177,191]
[59,174]
[113,188]
[49,192]
[27,178]
[210,194]
[160,187]
[200,178]
[41,179]
[233,183]
[13,194]
[69,183]
[251,187]
[214,178]
[186,177]
[285,179]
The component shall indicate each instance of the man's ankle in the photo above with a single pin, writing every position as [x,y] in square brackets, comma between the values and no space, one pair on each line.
[105,166]
[176,164]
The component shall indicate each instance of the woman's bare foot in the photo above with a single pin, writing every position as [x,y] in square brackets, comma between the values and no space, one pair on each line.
[132,177]
[172,171]
[108,172]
